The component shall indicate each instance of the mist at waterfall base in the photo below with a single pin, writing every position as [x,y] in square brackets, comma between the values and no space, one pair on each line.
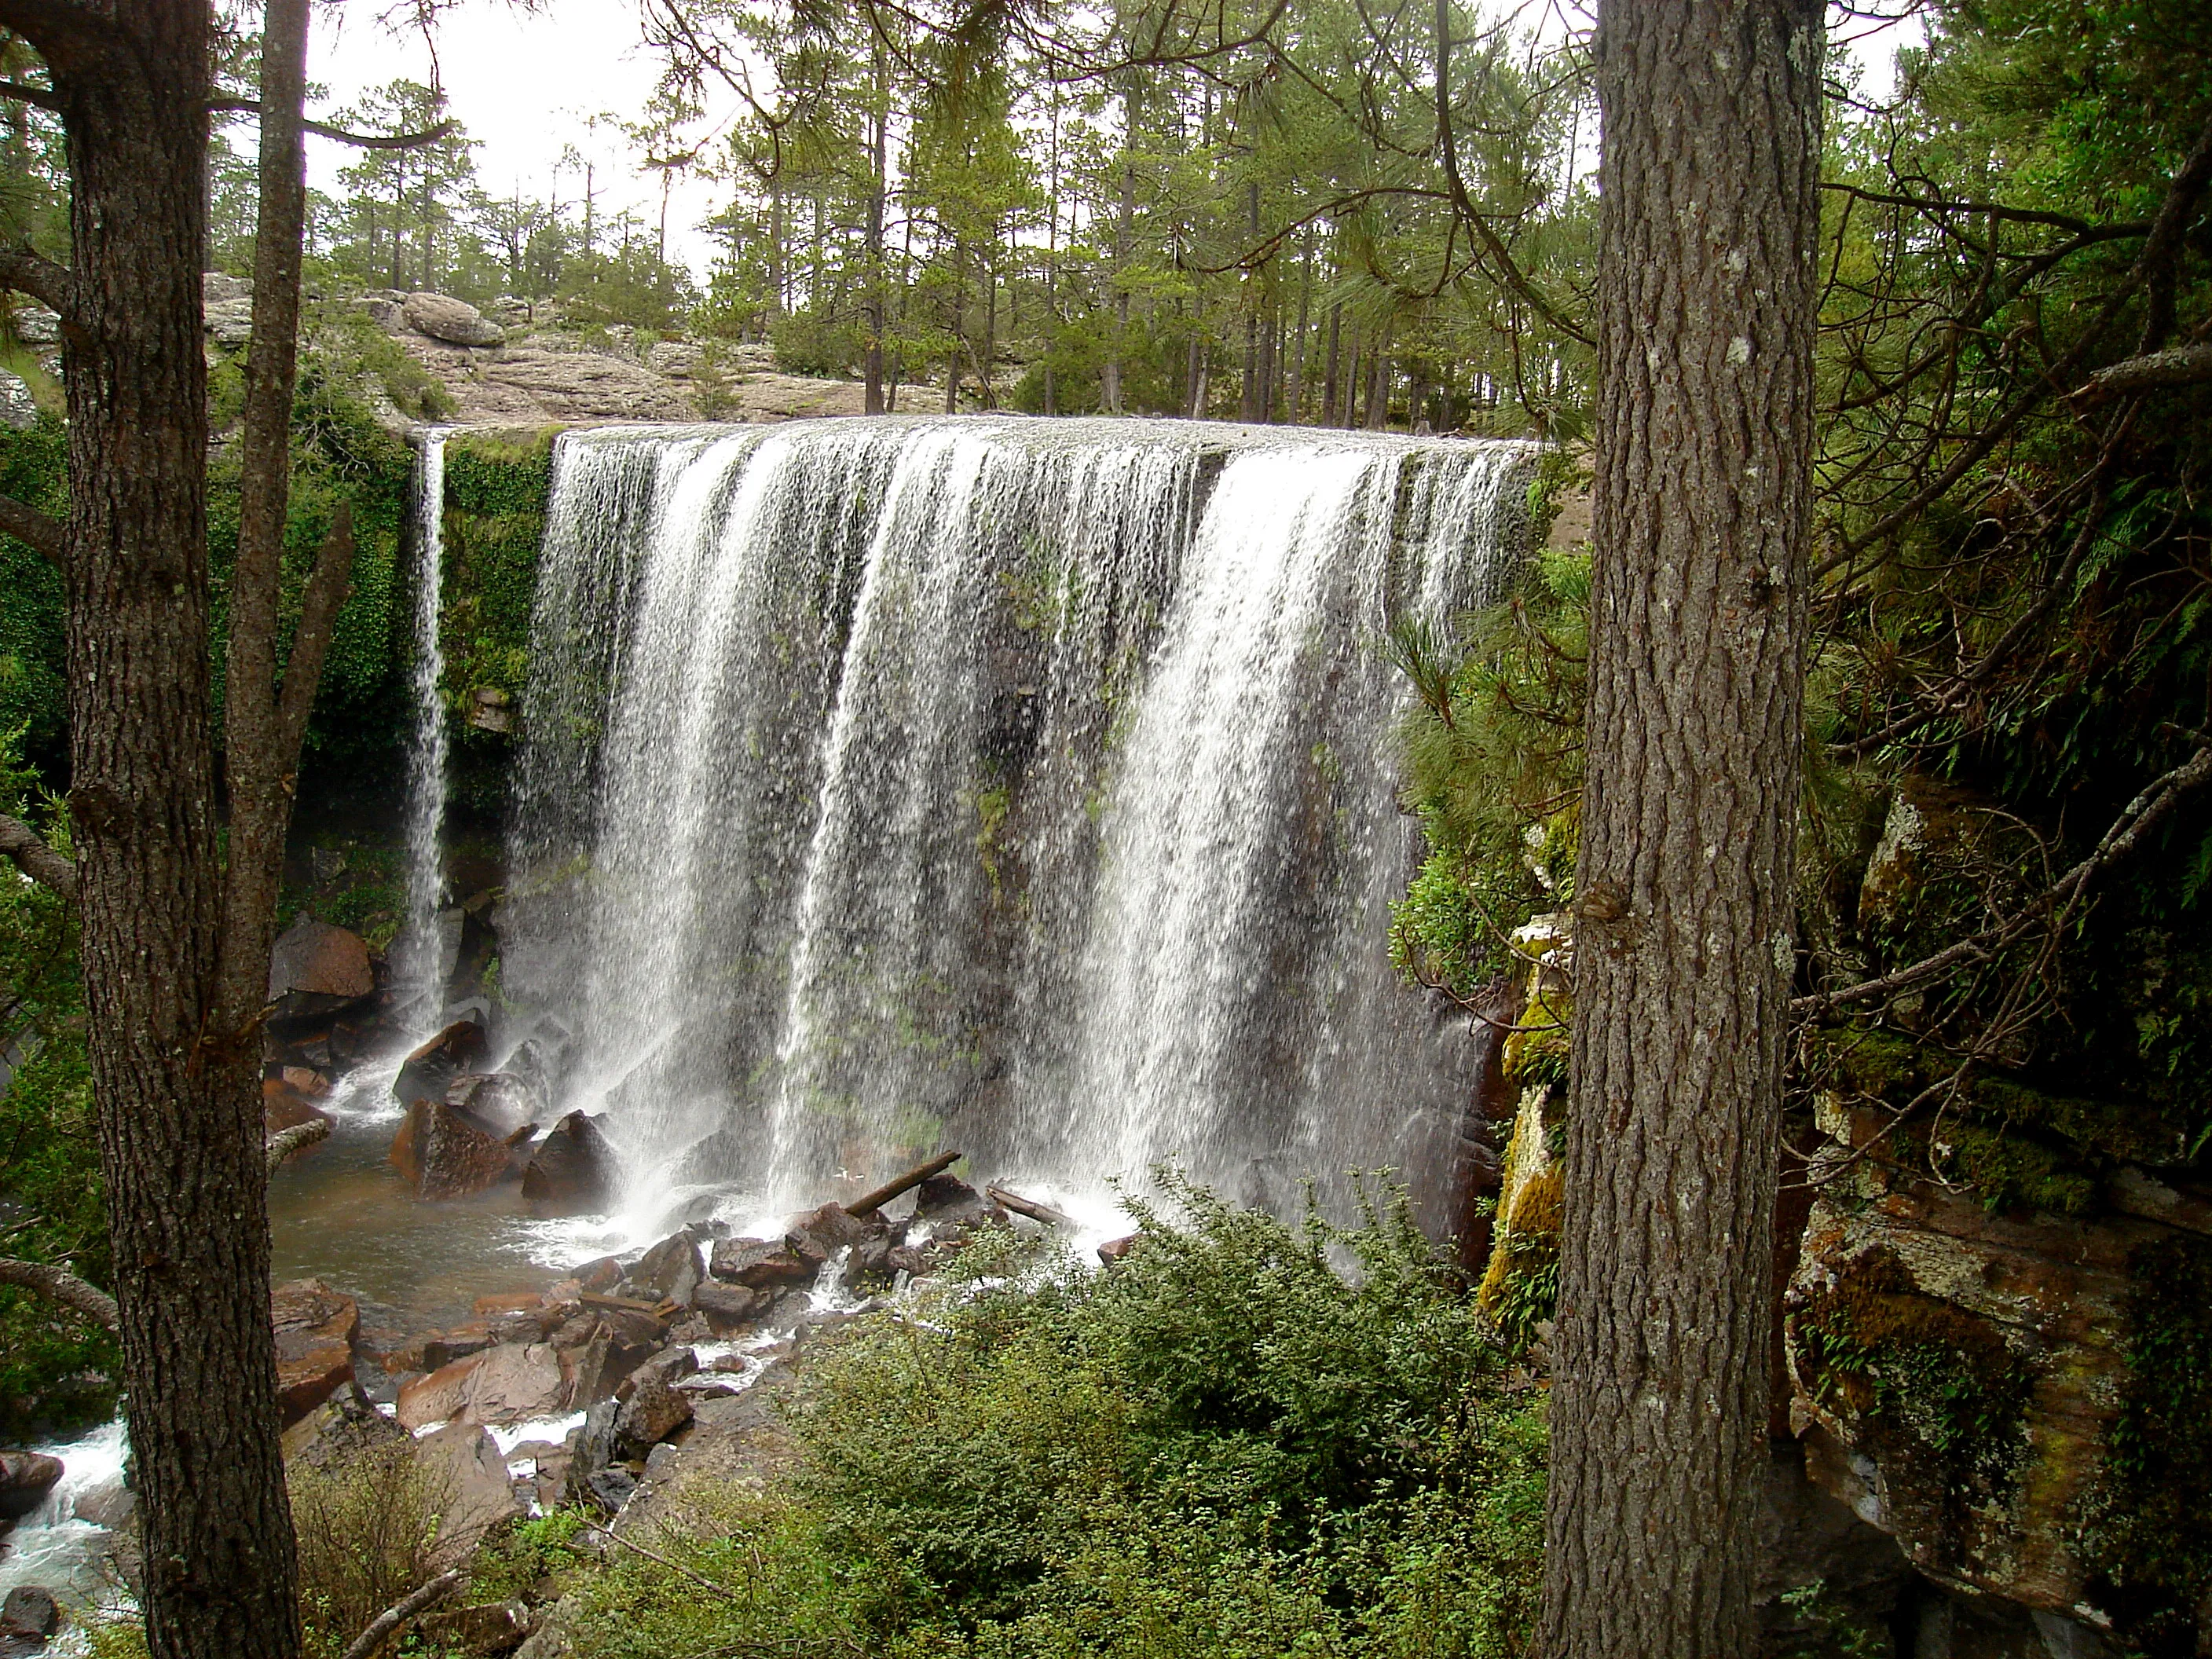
[1022,787]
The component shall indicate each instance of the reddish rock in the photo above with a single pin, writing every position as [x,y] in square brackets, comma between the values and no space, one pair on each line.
[283,1107]
[1113,1250]
[727,1307]
[515,1382]
[573,1170]
[444,1153]
[436,1398]
[763,1263]
[315,1330]
[469,1483]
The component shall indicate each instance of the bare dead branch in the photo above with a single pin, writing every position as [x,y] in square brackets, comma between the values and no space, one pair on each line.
[397,1614]
[285,1142]
[51,285]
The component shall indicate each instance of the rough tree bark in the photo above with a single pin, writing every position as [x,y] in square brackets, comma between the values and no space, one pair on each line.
[1705,304]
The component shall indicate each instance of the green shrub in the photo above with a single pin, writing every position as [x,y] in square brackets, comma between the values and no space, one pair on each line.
[1220,1445]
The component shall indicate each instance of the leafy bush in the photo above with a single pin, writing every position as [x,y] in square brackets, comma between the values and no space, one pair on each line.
[367,1525]
[1221,1444]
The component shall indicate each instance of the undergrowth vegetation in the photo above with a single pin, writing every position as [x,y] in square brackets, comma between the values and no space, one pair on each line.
[1222,1444]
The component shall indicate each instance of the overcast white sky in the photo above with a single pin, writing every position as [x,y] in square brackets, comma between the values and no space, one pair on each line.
[526,85]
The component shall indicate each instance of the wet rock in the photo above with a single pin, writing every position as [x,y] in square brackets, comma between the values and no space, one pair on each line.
[497,1629]
[729,1308]
[655,1408]
[515,1382]
[315,968]
[427,1073]
[610,1489]
[573,1170]
[1116,1250]
[825,1231]
[497,1102]
[473,1494]
[455,321]
[671,1270]
[949,1204]
[284,1106]
[763,1263]
[443,1153]
[591,1449]
[437,1397]
[26,1478]
[602,1275]
[338,1432]
[315,1330]
[28,1616]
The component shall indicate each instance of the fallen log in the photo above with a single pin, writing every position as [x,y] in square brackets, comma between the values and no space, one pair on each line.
[884,1194]
[394,1617]
[1028,1207]
[285,1142]
[59,1284]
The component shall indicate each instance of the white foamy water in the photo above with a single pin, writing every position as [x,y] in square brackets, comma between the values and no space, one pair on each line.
[60,1544]
[1017,786]
[417,969]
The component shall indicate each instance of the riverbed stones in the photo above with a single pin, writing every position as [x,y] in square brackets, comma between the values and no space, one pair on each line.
[26,1478]
[455,321]
[654,1407]
[315,1331]
[435,1397]
[516,1382]
[572,1171]
[29,1616]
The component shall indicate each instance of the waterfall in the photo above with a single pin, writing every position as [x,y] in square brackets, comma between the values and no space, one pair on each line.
[423,956]
[1020,786]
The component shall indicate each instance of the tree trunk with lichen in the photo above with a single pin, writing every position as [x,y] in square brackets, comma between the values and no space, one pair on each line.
[1684,951]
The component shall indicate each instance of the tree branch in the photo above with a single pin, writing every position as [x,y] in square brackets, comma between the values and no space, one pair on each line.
[394,1617]
[58,1284]
[2153,371]
[37,530]
[285,1142]
[358,140]
[19,842]
[44,97]
[50,285]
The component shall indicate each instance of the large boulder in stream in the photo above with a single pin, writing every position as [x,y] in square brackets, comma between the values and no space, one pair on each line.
[315,1330]
[26,1478]
[763,1264]
[431,1069]
[444,1153]
[572,1171]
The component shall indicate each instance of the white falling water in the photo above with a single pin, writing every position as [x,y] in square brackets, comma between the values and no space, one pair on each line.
[418,969]
[1019,786]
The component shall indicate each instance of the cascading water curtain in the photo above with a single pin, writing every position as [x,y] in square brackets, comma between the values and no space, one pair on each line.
[419,967]
[1018,785]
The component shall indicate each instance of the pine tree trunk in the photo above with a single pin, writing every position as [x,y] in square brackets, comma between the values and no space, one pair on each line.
[1705,420]
[178,1106]
[878,137]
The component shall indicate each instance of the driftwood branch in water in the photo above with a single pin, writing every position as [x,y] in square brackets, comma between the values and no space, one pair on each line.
[285,1142]
[394,1617]
[1028,1207]
[58,1284]
[912,1178]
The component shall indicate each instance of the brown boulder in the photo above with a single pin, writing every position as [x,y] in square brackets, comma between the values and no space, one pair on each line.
[436,1398]
[444,1153]
[284,1106]
[26,1478]
[315,1330]
[515,1382]
[455,321]
[497,1102]
[468,1479]
[573,1170]
[763,1263]
[655,1407]
[727,1307]
[312,959]
[427,1073]
[671,1270]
